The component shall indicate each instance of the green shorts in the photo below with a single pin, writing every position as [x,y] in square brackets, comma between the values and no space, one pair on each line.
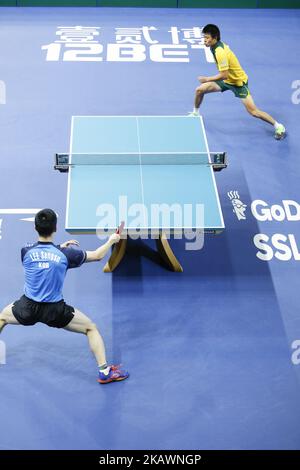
[239,91]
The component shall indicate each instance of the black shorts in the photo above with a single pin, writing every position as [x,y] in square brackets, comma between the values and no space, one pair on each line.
[55,314]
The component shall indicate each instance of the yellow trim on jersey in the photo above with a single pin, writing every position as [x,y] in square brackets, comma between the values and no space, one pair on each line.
[227,60]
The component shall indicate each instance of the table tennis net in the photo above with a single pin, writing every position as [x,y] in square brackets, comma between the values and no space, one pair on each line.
[184,158]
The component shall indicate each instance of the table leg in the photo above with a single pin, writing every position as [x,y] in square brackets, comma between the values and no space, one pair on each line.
[167,254]
[116,256]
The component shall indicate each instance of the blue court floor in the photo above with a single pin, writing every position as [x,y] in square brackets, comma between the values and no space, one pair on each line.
[213,352]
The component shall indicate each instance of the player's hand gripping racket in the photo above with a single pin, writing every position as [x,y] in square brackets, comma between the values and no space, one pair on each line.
[120,228]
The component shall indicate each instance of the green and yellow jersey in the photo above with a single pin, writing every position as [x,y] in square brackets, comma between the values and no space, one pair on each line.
[227,60]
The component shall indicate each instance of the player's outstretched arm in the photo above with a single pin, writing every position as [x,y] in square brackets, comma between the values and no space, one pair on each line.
[100,252]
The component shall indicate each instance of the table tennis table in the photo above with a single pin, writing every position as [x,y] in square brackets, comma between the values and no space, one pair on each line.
[145,162]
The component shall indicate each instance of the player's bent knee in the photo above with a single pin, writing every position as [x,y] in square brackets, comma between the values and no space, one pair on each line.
[2,316]
[253,111]
[91,327]
[204,87]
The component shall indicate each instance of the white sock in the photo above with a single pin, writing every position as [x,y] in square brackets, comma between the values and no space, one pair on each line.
[276,124]
[104,370]
[196,110]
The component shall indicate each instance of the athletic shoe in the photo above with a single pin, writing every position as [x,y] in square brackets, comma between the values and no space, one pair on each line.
[280,132]
[115,375]
[193,114]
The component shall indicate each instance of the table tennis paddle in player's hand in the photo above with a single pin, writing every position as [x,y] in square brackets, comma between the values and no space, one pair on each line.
[120,228]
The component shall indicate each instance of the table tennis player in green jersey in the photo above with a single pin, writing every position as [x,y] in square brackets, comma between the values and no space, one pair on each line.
[231,77]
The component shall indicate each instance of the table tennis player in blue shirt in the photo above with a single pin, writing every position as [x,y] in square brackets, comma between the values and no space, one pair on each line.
[45,266]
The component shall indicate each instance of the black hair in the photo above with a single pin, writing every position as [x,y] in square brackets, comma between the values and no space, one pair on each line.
[45,222]
[213,30]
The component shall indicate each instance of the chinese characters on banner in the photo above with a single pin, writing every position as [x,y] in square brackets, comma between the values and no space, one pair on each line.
[84,44]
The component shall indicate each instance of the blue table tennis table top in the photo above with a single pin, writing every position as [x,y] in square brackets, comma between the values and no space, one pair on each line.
[94,189]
